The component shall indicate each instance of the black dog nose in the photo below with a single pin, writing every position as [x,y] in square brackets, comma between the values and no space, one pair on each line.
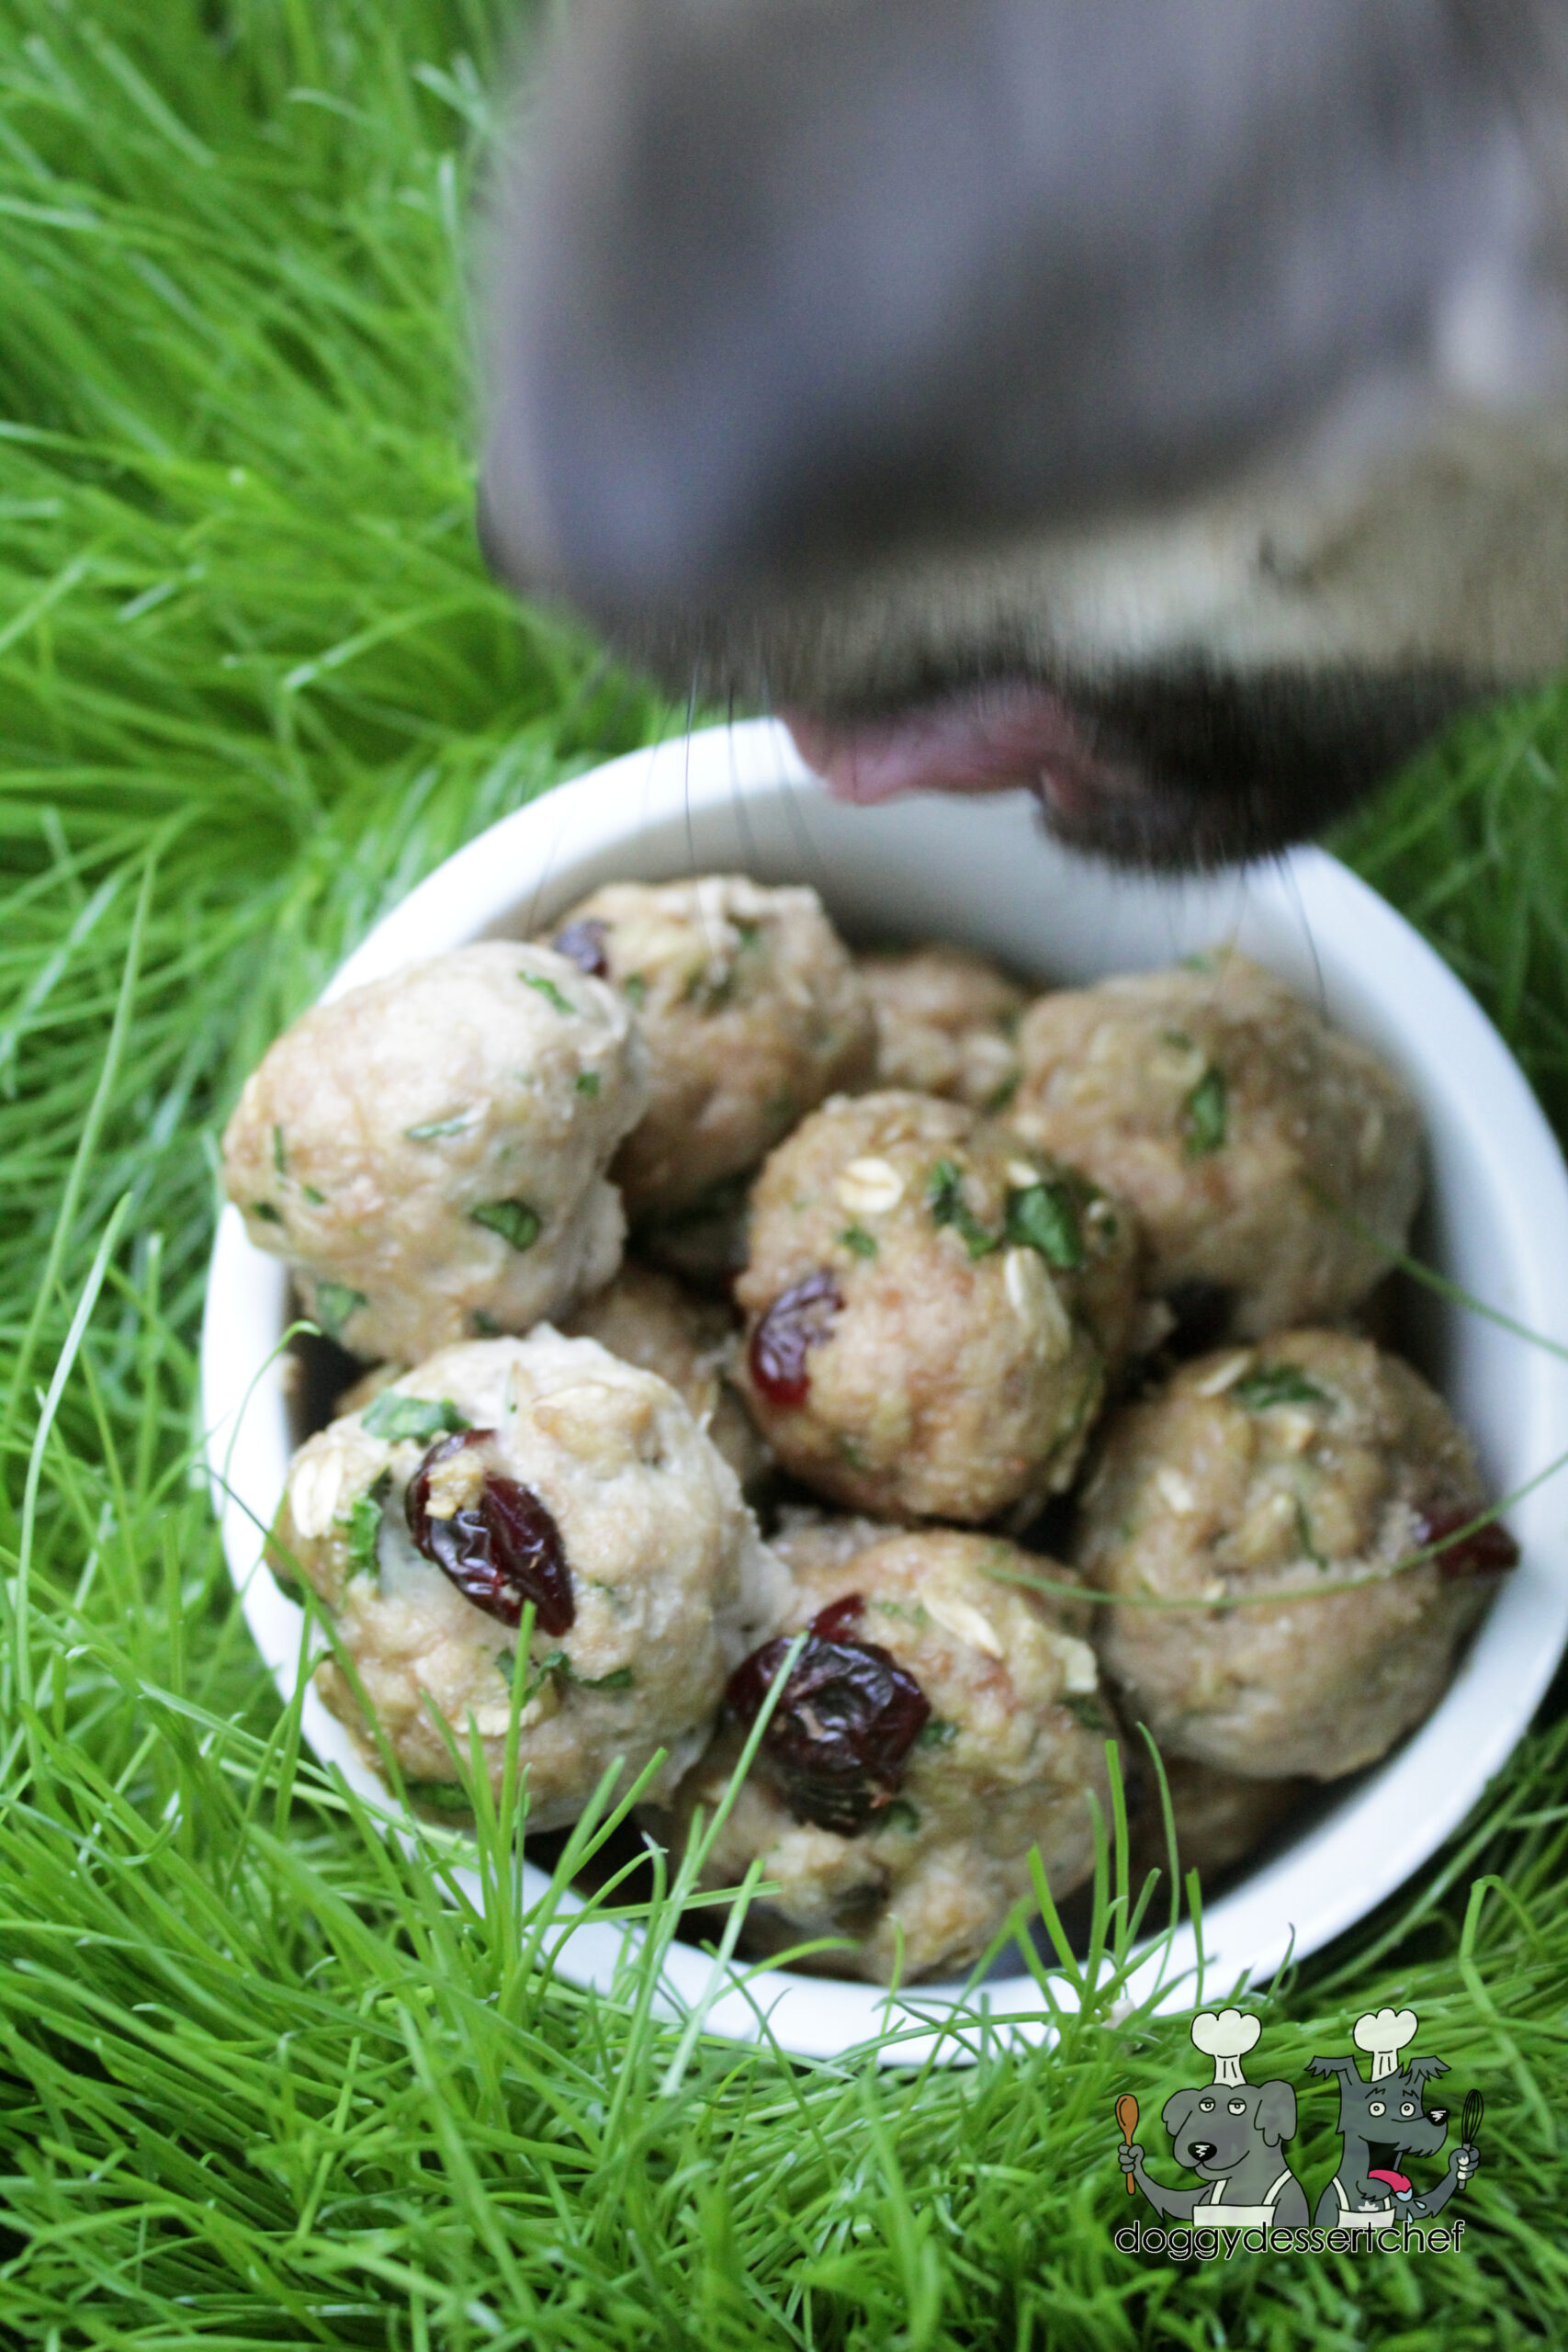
[1202,2150]
[1437,2115]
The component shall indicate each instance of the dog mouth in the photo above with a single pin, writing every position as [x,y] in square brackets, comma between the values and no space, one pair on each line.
[1018,733]
[1177,769]
[989,739]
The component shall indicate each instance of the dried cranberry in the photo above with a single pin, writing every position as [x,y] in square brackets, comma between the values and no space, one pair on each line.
[796,1321]
[838,1617]
[584,944]
[845,1722]
[1487,1551]
[502,1550]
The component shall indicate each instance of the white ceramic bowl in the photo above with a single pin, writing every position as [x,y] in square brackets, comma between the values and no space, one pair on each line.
[983,873]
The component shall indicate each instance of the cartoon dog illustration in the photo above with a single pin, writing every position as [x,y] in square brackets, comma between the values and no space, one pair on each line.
[1230,2134]
[1382,2118]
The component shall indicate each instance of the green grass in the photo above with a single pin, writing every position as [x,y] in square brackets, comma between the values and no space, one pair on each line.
[261,2083]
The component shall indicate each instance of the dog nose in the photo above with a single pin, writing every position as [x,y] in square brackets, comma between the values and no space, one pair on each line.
[1201,2150]
[1437,2115]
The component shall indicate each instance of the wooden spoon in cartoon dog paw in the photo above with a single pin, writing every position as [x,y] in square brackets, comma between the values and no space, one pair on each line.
[1127,2117]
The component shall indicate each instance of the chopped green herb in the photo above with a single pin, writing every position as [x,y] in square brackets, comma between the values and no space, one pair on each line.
[267,1214]
[899,1814]
[937,1733]
[621,1679]
[431,1129]
[588,1082]
[317,1200]
[635,988]
[779,1110]
[1044,1216]
[440,1796]
[278,1159]
[335,1304]
[856,1238]
[1204,1116]
[540,1670]
[945,1197]
[911,1612]
[557,1663]
[1088,1710]
[485,1325]
[515,1221]
[1277,1383]
[1305,1537]
[1202,961]
[395,1417]
[547,988]
[850,1448]
[363,1522]
[1002,1095]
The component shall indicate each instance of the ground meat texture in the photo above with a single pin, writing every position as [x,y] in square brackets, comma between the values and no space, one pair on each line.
[1007,1759]
[751,1011]
[429,1151]
[1310,1460]
[1220,1819]
[667,1583]
[1233,1119]
[647,1318]
[946,1023]
[931,1309]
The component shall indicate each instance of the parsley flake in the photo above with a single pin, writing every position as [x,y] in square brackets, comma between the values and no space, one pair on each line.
[394,1417]
[362,1522]
[1204,1116]
[545,987]
[335,1304]
[1277,1383]
[944,1198]
[1044,1216]
[431,1129]
[515,1221]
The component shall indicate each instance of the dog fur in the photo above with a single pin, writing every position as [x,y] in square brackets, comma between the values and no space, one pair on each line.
[1203,371]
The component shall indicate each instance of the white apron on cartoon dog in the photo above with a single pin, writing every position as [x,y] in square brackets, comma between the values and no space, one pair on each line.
[1219,2215]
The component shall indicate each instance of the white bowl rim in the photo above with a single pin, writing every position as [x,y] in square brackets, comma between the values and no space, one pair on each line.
[1377,976]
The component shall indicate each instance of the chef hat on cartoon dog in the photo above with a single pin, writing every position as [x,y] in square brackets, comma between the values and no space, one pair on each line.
[1226,2039]
[1384,2032]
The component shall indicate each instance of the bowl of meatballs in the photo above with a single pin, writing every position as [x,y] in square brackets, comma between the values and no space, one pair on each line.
[863,1327]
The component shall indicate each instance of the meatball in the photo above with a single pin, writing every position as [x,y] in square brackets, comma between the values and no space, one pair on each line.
[1267,1156]
[946,1023]
[429,1151]
[752,1013]
[941,1725]
[1220,1819]
[1309,1461]
[645,1318]
[932,1306]
[543,1470]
